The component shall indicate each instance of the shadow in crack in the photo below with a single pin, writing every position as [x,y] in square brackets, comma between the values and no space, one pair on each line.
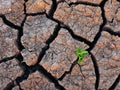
[113,86]
[109,30]
[27,70]
[68,72]
[96,71]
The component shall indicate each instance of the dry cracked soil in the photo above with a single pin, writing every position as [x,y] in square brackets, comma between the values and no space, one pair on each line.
[39,38]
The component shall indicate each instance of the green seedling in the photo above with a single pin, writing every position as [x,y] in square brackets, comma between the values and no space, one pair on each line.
[81,55]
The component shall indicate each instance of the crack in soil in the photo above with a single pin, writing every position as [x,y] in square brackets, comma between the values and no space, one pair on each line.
[37,67]
[112,87]
[96,71]
[50,40]
[102,4]
[68,72]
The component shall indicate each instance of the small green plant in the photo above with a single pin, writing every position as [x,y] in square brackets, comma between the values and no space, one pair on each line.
[81,55]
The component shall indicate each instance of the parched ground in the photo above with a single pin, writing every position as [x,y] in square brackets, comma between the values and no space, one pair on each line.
[39,38]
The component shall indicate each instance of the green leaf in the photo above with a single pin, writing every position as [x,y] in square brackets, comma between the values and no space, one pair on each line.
[85,54]
[80,60]
[79,51]
[81,55]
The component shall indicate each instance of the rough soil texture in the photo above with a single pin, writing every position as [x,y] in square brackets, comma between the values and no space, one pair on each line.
[39,38]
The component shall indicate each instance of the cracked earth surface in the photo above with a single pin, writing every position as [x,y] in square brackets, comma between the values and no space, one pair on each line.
[39,38]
